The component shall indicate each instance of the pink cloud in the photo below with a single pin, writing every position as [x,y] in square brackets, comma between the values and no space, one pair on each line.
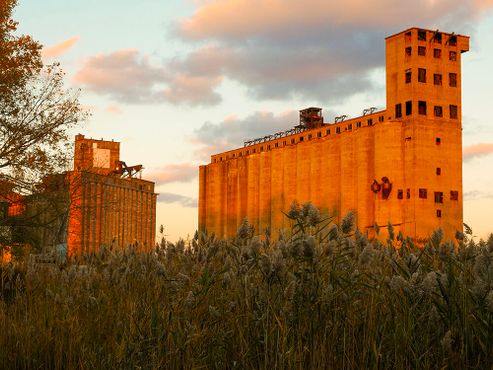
[112,108]
[184,172]
[476,151]
[59,49]
[219,19]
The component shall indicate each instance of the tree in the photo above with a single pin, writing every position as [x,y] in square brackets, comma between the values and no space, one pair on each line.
[36,113]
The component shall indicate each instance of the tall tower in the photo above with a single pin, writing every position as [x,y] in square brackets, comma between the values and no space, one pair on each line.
[424,92]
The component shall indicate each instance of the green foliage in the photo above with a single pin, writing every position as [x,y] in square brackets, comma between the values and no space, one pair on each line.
[326,297]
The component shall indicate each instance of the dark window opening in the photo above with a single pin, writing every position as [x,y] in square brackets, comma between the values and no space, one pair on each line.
[452,78]
[438,141]
[439,171]
[422,107]
[309,136]
[255,150]
[409,108]
[338,130]
[261,148]
[408,51]
[241,154]
[438,197]
[408,36]
[233,155]
[437,37]
[247,152]
[453,111]
[439,213]
[438,111]
[422,50]
[452,55]
[380,119]
[398,110]
[454,195]
[350,127]
[408,193]
[408,76]
[421,75]
[292,141]
[301,138]
[437,79]
[268,147]
[437,53]
[358,124]
[319,134]
[423,193]
[370,122]
[277,145]
[400,194]
[284,143]
[422,35]
[452,41]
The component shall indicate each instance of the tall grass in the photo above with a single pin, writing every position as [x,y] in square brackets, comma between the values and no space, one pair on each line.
[325,297]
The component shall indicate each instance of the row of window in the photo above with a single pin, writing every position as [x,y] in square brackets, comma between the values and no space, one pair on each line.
[437,77]
[422,110]
[423,194]
[437,53]
[349,127]
[436,37]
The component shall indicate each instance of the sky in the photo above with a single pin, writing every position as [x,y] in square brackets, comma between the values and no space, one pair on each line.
[178,80]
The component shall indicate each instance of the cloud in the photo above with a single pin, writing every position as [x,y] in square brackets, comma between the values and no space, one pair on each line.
[59,49]
[112,108]
[212,138]
[129,77]
[476,151]
[324,50]
[477,194]
[185,201]
[184,172]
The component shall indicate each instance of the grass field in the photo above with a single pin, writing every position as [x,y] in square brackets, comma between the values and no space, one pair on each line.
[324,297]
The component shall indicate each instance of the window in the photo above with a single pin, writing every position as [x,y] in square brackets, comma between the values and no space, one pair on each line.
[398,110]
[233,155]
[338,130]
[268,147]
[437,53]
[328,132]
[454,195]
[247,152]
[453,111]
[439,213]
[438,197]
[409,108]
[452,79]
[400,194]
[421,75]
[309,136]
[408,76]
[438,171]
[277,145]
[408,193]
[408,51]
[422,35]
[261,148]
[319,134]
[422,107]
[452,41]
[438,111]
[438,141]
[301,138]
[350,127]
[437,79]
[370,122]
[380,119]
[284,143]
[437,37]
[408,36]
[423,193]
[240,154]
[255,150]
[292,141]
[358,124]
[422,50]
[452,55]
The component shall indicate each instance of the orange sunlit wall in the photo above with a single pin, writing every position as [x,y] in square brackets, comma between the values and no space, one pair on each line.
[105,208]
[402,165]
